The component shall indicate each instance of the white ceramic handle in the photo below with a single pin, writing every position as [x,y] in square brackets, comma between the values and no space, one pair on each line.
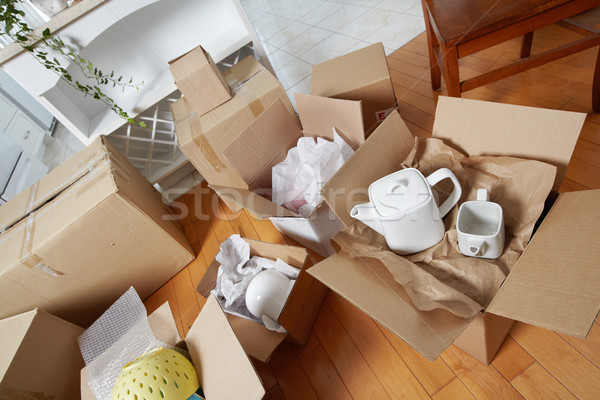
[482,195]
[477,247]
[440,175]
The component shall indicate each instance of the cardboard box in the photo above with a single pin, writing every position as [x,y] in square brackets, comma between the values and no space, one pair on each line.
[203,138]
[265,143]
[224,370]
[199,79]
[72,243]
[299,312]
[40,358]
[553,284]
[361,75]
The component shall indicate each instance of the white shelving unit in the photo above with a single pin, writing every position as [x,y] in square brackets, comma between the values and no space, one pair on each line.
[134,38]
[152,150]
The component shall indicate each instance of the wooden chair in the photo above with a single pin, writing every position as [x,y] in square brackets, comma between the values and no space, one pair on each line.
[457,28]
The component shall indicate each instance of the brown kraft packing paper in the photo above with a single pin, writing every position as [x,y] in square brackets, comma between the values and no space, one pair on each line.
[441,276]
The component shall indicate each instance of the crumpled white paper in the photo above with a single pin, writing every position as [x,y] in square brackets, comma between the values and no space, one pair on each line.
[235,273]
[297,181]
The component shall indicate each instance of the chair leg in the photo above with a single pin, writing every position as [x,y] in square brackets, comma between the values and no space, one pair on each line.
[432,44]
[596,85]
[526,45]
[451,72]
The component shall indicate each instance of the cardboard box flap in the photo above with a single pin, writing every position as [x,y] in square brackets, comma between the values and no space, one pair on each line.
[259,206]
[380,155]
[225,371]
[555,282]
[292,255]
[12,332]
[163,325]
[352,70]
[256,341]
[55,182]
[32,345]
[263,144]
[318,115]
[485,128]
[369,286]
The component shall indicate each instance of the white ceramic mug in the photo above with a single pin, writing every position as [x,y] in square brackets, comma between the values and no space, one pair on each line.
[480,227]
[267,293]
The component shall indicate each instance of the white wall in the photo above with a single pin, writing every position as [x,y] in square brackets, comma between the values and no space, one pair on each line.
[25,101]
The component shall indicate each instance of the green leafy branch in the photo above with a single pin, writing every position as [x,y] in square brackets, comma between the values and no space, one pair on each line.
[39,47]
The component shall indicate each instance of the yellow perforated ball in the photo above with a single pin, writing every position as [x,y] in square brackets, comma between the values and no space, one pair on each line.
[159,374]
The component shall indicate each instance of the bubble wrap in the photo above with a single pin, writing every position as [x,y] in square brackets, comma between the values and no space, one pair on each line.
[118,337]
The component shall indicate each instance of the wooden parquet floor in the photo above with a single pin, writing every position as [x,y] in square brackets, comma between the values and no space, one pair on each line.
[348,355]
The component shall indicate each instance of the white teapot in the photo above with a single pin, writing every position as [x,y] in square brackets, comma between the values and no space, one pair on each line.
[404,210]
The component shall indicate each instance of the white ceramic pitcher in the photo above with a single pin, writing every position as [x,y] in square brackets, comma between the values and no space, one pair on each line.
[404,210]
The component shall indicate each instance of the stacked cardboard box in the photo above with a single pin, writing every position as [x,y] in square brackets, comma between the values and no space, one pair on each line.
[75,240]
[203,137]
[234,146]
[199,79]
[360,75]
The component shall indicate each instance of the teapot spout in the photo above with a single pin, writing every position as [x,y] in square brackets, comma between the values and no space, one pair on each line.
[367,214]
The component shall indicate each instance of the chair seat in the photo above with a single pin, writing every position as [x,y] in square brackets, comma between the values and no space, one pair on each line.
[457,28]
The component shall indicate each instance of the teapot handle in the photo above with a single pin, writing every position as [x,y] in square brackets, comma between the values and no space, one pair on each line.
[440,175]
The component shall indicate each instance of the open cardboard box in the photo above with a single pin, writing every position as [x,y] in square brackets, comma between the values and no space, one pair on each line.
[361,75]
[298,314]
[199,79]
[224,370]
[39,357]
[202,138]
[75,240]
[553,284]
[266,142]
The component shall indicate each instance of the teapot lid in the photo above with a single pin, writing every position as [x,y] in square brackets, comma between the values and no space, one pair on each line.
[399,192]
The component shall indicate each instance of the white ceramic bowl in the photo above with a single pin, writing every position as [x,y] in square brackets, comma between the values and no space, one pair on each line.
[267,293]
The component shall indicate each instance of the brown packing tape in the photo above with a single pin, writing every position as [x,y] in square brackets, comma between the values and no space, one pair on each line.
[256,108]
[90,160]
[86,181]
[27,257]
[209,154]
[32,195]
[120,162]
[34,203]
[123,175]
[118,168]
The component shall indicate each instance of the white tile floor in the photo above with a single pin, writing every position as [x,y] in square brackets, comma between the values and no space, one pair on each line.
[298,34]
